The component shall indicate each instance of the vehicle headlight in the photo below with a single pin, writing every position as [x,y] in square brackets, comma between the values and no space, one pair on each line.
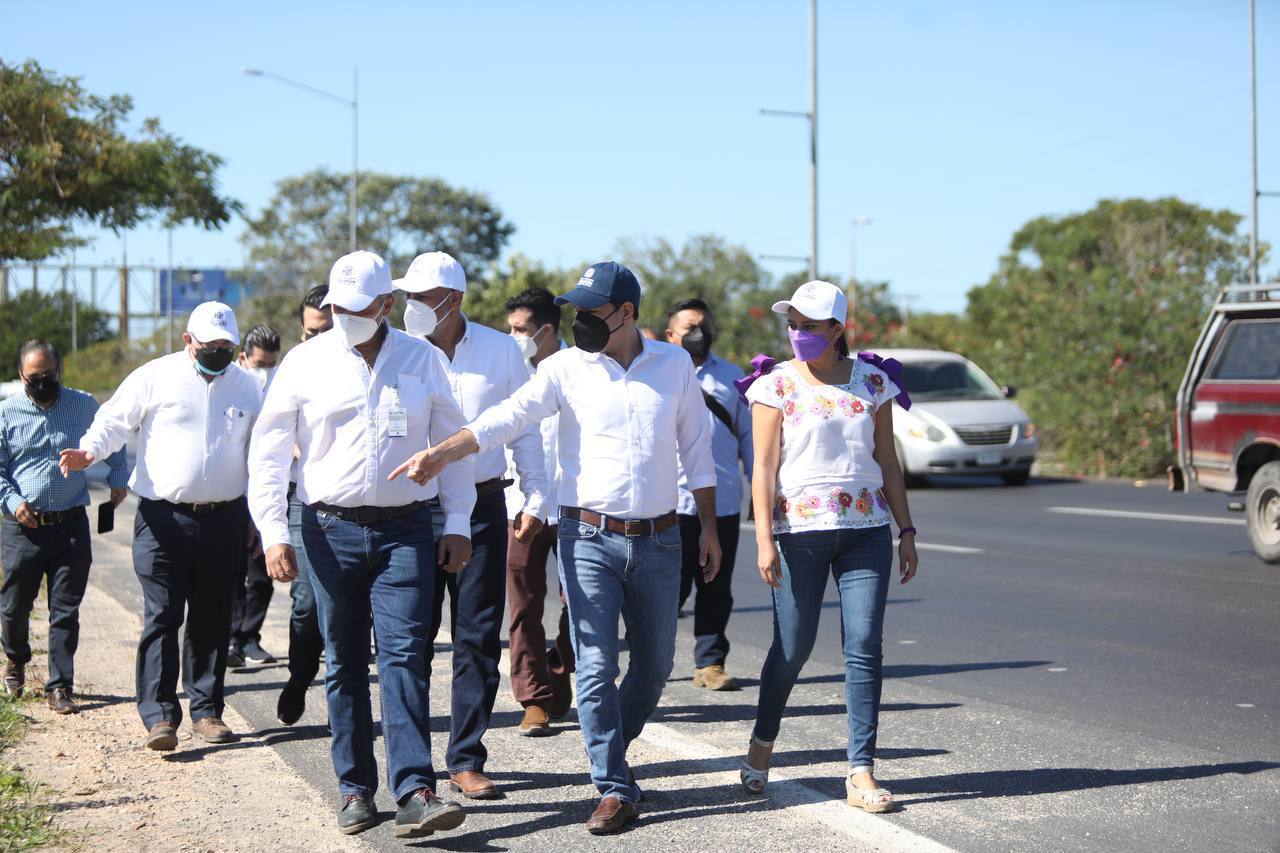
[932,433]
[1028,430]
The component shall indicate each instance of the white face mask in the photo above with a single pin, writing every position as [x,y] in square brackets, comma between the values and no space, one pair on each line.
[420,318]
[354,329]
[262,374]
[528,345]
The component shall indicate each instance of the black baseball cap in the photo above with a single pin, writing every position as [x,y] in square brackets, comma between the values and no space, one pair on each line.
[605,282]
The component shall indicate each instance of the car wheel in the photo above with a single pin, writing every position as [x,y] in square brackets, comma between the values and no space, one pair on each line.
[1016,478]
[911,481]
[1262,512]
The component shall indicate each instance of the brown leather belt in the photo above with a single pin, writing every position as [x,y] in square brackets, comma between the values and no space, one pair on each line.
[202,508]
[366,515]
[625,526]
[488,487]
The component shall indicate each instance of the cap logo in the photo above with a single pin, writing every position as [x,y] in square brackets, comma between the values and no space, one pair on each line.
[590,273]
[219,319]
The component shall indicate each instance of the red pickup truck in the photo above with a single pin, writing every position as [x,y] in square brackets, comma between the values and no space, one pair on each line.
[1228,428]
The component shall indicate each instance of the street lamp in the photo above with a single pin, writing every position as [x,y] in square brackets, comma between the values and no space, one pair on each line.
[812,115]
[354,103]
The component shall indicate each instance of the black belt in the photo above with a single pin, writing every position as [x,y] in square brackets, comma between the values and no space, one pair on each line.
[49,519]
[201,508]
[366,515]
[625,526]
[488,487]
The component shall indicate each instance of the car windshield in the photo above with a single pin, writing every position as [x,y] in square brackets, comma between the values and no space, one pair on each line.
[948,380]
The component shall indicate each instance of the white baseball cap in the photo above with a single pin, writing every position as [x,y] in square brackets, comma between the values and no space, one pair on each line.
[356,280]
[213,321]
[817,300]
[431,270]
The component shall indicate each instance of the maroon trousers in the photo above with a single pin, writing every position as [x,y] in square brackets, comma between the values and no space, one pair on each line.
[539,676]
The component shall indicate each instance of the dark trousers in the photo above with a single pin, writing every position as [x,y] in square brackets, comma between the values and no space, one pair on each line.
[714,602]
[253,596]
[539,676]
[306,643]
[186,564]
[477,598]
[58,555]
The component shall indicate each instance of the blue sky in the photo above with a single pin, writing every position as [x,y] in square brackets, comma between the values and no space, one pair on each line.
[950,124]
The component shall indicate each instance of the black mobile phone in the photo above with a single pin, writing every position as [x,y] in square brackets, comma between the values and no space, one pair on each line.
[106,517]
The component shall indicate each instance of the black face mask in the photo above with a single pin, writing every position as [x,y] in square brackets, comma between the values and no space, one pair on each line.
[43,389]
[697,341]
[591,333]
[214,360]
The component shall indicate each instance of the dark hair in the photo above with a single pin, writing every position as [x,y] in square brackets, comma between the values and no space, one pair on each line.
[40,345]
[692,304]
[313,299]
[541,305]
[262,337]
[842,342]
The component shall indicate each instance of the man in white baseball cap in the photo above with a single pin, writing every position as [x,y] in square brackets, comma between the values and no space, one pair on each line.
[367,395]
[192,412]
[484,367]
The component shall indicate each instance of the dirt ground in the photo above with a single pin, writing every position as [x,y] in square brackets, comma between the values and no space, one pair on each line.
[108,792]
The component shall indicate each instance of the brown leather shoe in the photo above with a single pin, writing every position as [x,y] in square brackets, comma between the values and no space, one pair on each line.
[611,815]
[536,722]
[14,678]
[60,701]
[163,736]
[713,678]
[213,730]
[474,785]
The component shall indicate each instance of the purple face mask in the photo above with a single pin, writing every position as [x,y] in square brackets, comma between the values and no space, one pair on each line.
[808,346]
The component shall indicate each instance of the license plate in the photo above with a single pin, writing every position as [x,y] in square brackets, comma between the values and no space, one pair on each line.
[990,457]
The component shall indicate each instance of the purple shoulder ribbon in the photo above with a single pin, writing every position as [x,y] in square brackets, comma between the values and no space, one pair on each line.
[893,368]
[761,365]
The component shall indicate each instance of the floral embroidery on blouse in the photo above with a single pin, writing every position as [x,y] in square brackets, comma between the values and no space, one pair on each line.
[832,504]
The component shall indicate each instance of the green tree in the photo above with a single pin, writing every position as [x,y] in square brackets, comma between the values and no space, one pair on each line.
[31,314]
[304,228]
[487,298]
[65,161]
[727,277]
[1094,315]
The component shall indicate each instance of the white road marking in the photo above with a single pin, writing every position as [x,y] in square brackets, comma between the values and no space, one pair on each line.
[1244,705]
[1057,669]
[920,546]
[906,642]
[1149,516]
[866,829]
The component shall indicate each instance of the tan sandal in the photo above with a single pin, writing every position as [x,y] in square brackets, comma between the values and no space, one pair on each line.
[872,801]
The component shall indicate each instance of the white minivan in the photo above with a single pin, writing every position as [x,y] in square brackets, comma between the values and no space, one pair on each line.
[960,421]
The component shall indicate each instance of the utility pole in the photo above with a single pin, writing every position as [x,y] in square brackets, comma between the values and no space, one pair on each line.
[169,295]
[812,116]
[124,294]
[1253,141]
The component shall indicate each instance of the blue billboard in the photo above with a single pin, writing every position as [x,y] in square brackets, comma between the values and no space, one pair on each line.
[191,287]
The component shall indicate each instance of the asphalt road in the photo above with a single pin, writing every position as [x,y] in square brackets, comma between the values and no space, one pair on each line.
[1060,676]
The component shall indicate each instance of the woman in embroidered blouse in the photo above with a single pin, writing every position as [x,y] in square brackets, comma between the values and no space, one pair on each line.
[827,474]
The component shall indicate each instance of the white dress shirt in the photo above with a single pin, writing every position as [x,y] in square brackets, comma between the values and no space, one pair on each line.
[550,428]
[487,368]
[193,434]
[325,400]
[621,431]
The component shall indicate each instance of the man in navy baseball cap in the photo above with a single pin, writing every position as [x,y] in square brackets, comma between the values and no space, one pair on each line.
[601,285]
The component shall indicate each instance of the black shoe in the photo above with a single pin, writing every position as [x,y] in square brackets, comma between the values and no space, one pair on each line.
[254,652]
[14,678]
[356,815]
[60,701]
[423,813]
[292,702]
[235,657]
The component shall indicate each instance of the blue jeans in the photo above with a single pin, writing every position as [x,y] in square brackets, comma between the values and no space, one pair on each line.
[359,571]
[477,598]
[860,560]
[605,575]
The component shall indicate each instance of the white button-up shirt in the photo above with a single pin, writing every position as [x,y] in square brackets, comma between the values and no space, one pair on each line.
[487,368]
[193,434]
[328,402]
[621,431]
[549,429]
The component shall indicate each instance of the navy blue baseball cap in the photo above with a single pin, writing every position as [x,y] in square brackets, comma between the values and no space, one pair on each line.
[605,282]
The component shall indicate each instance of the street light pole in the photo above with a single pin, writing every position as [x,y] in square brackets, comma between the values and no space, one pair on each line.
[354,103]
[812,116]
[1253,140]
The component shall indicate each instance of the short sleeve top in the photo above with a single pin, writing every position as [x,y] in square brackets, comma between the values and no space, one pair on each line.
[827,476]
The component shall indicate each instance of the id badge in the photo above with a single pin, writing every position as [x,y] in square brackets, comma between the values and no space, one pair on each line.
[397,422]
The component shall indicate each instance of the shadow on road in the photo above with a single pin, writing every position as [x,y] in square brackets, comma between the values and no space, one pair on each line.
[826,605]
[988,481]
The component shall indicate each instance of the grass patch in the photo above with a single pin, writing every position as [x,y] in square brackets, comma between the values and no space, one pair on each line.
[24,823]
